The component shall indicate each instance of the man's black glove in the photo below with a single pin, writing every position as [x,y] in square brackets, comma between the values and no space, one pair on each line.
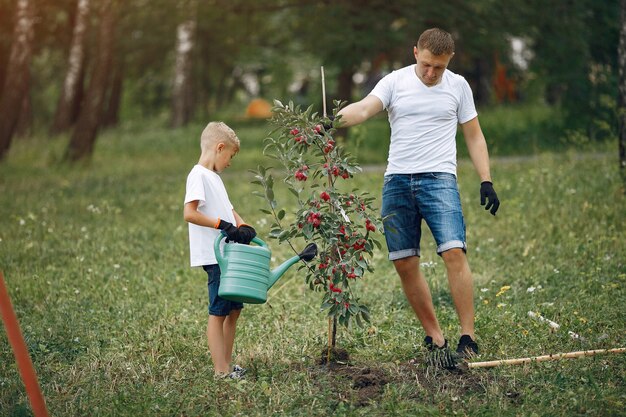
[488,195]
[246,233]
[230,231]
[329,125]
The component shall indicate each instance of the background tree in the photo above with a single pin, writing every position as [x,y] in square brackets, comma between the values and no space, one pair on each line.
[84,136]
[621,53]
[67,107]
[16,83]
[182,89]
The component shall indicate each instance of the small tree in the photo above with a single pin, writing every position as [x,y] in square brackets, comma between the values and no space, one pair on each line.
[338,219]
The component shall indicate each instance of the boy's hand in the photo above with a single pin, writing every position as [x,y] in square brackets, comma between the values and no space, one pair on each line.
[488,194]
[231,232]
[246,233]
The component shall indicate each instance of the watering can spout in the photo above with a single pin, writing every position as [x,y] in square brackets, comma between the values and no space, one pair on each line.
[306,255]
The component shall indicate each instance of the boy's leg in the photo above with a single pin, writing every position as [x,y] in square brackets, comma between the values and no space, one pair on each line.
[230,327]
[418,294]
[461,288]
[217,346]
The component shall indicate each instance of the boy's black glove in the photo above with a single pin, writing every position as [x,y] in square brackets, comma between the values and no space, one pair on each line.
[228,229]
[246,233]
[488,194]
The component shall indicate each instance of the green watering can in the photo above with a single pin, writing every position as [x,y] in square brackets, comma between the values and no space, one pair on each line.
[245,270]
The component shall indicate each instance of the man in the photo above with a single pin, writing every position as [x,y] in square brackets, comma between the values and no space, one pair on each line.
[425,103]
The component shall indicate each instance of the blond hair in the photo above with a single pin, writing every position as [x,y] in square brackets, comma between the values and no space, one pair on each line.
[437,41]
[216,132]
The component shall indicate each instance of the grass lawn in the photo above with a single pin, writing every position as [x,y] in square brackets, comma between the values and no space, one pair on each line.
[96,262]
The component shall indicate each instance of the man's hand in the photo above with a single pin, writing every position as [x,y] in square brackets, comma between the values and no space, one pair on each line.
[488,195]
[231,232]
[246,233]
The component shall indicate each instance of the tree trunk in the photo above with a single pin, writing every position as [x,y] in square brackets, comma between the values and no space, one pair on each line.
[111,114]
[182,99]
[16,83]
[344,92]
[82,142]
[25,119]
[70,93]
[621,56]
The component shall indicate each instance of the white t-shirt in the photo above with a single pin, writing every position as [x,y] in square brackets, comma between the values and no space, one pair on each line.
[424,120]
[207,187]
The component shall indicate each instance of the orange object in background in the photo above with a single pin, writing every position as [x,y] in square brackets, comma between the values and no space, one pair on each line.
[22,358]
[259,109]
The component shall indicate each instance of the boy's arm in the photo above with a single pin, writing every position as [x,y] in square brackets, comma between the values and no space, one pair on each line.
[238,219]
[192,215]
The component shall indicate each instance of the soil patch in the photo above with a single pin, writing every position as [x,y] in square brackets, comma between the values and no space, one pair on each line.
[364,383]
[360,384]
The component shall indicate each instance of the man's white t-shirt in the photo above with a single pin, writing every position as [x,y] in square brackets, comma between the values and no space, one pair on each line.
[207,187]
[424,120]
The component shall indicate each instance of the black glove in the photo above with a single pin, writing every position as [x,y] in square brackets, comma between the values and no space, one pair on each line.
[246,233]
[329,125]
[488,193]
[309,252]
[230,231]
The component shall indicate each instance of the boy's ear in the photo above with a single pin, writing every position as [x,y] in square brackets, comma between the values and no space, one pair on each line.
[220,146]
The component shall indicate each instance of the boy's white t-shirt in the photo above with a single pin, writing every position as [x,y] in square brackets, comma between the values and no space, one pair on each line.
[424,120]
[207,187]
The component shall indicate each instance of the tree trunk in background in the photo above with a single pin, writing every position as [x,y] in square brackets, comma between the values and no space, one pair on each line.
[25,119]
[16,83]
[182,100]
[111,112]
[82,142]
[70,93]
[344,92]
[621,57]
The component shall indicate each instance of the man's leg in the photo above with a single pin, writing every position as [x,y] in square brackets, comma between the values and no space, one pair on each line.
[215,337]
[230,326]
[418,294]
[461,288]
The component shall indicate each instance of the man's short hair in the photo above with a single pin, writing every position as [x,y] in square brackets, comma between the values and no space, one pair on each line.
[216,132]
[437,41]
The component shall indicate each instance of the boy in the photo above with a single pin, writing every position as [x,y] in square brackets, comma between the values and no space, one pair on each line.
[209,212]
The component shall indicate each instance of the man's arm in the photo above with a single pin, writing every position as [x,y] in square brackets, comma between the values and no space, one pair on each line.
[358,112]
[477,147]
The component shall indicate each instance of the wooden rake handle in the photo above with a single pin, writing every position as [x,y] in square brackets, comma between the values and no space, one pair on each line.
[553,357]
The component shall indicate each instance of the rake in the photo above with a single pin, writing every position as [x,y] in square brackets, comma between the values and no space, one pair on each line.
[543,358]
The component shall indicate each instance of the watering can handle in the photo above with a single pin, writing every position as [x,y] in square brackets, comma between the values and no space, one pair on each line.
[221,236]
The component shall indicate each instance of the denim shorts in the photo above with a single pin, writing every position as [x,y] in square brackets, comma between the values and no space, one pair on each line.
[409,198]
[217,305]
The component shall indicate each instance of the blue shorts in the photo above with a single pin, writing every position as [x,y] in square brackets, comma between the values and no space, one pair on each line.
[409,198]
[217,305]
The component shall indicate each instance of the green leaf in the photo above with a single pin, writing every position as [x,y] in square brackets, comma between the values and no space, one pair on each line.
[326,305]
[281,214]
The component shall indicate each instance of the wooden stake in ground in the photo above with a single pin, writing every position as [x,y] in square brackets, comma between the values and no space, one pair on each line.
[556,356]
[323,91]
[20,351]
